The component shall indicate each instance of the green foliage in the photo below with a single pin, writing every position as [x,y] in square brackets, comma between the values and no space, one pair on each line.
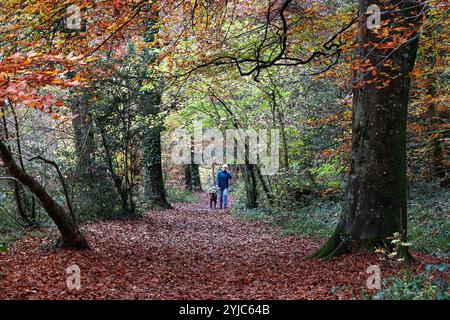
[8,237]
[429,223]
[96,200]
[424,286]
[316,220]
[10,220]
[178,195]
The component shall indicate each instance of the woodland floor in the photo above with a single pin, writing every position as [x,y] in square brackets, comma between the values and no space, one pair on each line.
[190,252]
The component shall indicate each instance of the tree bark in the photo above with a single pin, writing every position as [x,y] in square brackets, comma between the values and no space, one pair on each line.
[122,190]
[375,204]
[187,177]
[195,176]
[264,184]
[84,137]
[251,186]
[154,182]
[85,175]
[71,236]
[192,176]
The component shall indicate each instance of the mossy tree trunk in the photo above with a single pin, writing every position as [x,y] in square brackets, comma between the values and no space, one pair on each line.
[375,203]
[154,182]
[195,175]
[192,174]
[250,186]
[187,177]
[192,177]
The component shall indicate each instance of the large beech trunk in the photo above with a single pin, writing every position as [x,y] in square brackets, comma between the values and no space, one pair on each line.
[375,204]
[71,236]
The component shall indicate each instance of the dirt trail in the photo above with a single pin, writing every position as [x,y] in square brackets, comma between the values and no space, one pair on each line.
[186,253]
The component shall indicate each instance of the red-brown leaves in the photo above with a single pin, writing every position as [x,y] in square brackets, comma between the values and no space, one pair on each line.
[187,253]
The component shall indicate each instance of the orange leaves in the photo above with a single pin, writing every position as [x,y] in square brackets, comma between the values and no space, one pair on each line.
[327,153]
[435,136]
[31,57]
[26,78]
[416,127]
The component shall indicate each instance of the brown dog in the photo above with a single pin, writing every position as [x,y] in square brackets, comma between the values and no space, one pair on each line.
[212,200]
[213,197]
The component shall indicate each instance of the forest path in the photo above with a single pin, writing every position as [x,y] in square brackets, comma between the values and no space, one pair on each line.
[190,252]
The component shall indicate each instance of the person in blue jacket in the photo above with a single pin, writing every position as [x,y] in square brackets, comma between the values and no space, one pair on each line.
[222,181]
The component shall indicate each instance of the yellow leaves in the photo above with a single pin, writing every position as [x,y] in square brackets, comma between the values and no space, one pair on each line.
[90,59]
[51,72]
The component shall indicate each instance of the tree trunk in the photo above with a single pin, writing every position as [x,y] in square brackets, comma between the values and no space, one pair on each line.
[85,176]
[84,136]
[264,184]
[122,190]
[284,140]
[195,176]
[187,177]
[71,236]
[154,182]
[250,186]
[375,204]
[192,177]
[20,196]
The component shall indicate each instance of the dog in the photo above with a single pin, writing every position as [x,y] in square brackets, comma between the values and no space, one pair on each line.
[213,197]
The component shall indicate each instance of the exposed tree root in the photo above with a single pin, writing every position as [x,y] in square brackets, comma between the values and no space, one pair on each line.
[338,245]
[334,247]
[157,204]
[79,243]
